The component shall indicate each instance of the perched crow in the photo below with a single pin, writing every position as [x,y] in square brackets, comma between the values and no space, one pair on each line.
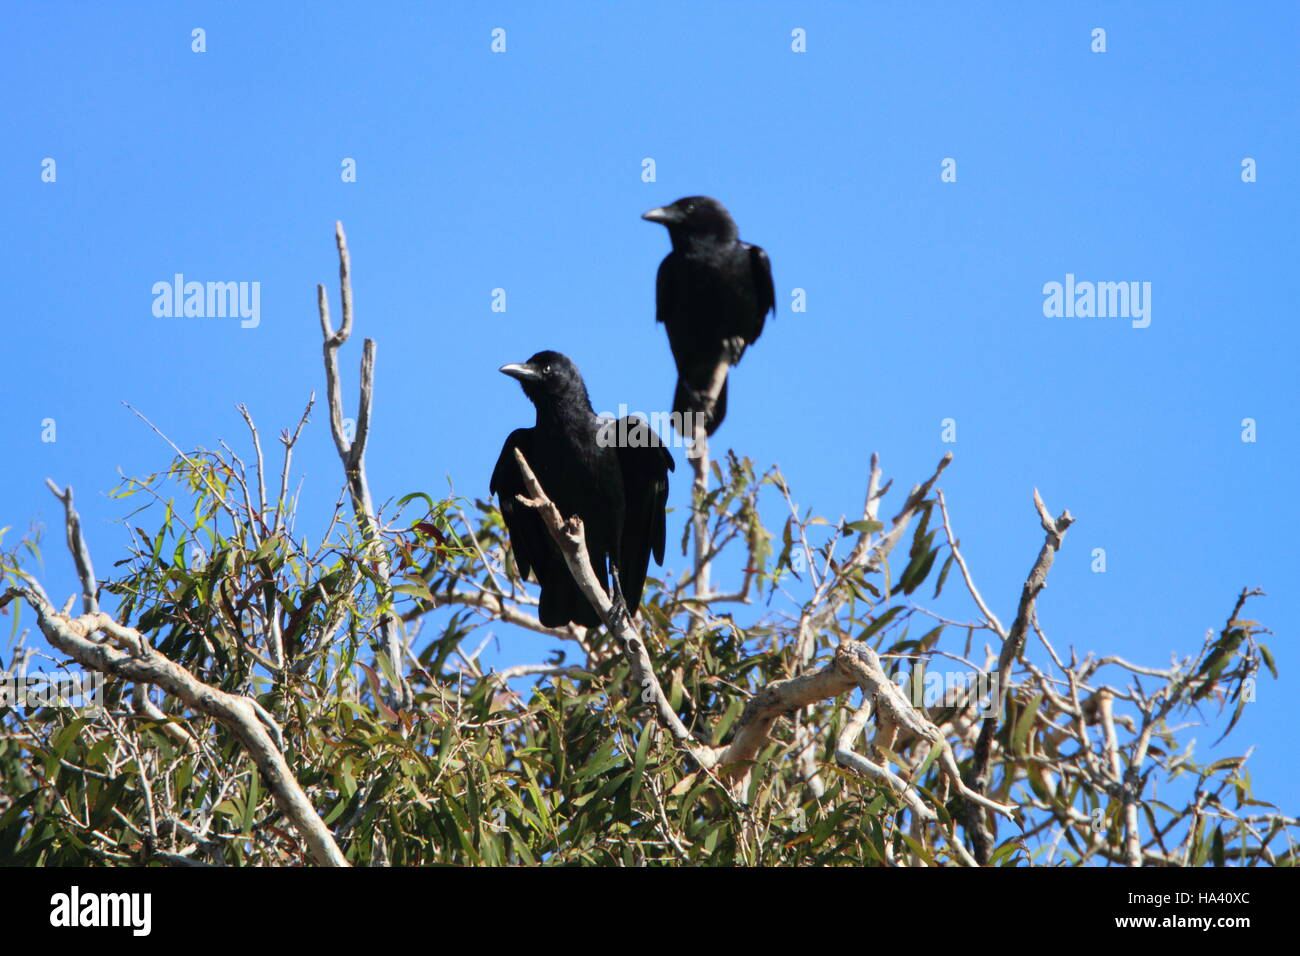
[612,474]
[713,293]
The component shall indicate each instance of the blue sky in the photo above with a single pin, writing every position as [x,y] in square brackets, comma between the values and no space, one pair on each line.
[523,171]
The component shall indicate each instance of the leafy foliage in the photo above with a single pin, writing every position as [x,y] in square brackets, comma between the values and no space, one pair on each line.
[571,767]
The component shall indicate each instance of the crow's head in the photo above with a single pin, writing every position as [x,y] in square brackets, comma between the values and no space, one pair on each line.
[550,379]
[695,216]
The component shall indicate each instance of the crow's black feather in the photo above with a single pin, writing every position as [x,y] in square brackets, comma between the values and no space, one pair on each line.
[713,293]
[617,484]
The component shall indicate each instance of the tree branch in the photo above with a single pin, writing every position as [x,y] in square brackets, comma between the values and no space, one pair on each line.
[353,453]
[249,722]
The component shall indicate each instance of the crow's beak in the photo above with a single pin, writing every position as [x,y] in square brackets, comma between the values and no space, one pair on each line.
[660,214]
[524,373]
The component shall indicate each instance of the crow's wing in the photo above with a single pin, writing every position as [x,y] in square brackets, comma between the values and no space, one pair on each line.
[645,492]
[561,601]
[528,535]
[665,290]
[760,274]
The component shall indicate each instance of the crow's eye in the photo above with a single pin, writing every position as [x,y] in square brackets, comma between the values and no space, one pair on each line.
[690,208]
[547,370]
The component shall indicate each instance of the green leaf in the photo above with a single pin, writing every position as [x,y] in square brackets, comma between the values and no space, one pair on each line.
[1265,653]
[1024,724]
[866,526]
[429,505]
[728,718]
[880,622]
[250,803]
[642,752]
[943,573]
[929,639]
[419,590]
[107,800]
[935,750]
[917,570]
[266,549]
[1004,852]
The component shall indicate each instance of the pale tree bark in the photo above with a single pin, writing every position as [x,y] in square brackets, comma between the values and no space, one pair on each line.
[352,452]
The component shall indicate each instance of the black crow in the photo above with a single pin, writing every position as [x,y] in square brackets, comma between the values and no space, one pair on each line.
[713,294]
[613,474]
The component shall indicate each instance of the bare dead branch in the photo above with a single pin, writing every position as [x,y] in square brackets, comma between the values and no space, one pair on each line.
[77,545]
[352,453]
